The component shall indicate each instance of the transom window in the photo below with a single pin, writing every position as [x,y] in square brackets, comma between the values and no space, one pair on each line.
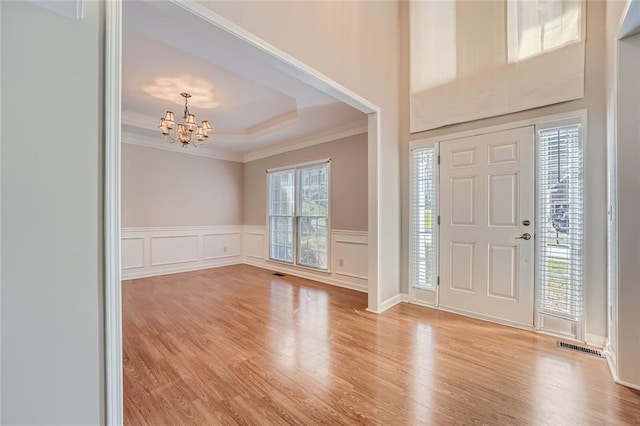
[538,26]
[299,215]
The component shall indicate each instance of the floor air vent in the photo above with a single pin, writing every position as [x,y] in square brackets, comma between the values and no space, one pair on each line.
[580,349]
[278,274]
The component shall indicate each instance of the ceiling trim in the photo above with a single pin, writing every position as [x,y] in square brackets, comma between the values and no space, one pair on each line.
[273,124]
[344,131]
[145,141]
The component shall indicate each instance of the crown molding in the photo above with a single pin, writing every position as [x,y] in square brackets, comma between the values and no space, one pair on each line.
[143,121]
[145,141]
[279,122]
[344,131]
[274,124]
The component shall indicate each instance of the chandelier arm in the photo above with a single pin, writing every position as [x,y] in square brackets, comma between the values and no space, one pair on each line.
[171,137]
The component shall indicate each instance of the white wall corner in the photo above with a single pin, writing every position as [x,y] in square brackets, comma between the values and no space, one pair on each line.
[611,361]
[595,340]
[390,303]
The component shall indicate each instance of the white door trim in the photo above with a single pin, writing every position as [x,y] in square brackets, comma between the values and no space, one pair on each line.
[546,121]
[113,290]
[112,120]
[538,122]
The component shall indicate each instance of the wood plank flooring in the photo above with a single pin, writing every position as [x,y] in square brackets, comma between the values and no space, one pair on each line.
[238,345]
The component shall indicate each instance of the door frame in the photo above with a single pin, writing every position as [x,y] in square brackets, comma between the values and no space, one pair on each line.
[544,121]
[114,408]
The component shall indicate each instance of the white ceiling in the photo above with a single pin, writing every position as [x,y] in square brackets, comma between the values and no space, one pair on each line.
[252,104]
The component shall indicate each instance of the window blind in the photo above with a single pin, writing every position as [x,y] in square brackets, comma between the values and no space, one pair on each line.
[423,219]
[281,215]
[560,234]
[313,215]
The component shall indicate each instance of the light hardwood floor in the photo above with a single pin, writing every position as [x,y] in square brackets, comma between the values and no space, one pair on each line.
[237,345]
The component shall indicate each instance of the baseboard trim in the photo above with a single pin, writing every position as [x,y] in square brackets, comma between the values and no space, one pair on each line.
[614,372]
[611,362]
[486,318]
[325,279]
[627,384]
[422,304]
[178,269]
[390,303]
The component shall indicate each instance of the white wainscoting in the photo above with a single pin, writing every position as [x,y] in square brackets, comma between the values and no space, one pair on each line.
[350,247]
[148,252]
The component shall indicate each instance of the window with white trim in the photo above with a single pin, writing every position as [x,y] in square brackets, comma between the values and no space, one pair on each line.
[560,236]
[423,219]
[299,215]
[537,26]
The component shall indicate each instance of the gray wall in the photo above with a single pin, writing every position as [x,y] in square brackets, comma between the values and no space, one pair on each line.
[348,181]
[595,160]
[164,188]
[51,216]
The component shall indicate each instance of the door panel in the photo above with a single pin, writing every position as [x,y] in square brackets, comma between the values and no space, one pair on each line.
[463,192]
[463,265]
[487,192]
[503,200]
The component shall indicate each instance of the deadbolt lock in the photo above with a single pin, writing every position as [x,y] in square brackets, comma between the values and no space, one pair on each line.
[526,222]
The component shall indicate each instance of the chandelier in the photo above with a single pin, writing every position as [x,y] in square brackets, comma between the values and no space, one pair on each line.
[187,132]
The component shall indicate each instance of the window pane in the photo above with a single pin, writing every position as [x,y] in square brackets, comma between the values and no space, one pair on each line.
[423,218]
[560,220]
[281,193]
[312,241]
[313,215]
[535,27]
[281,238]
[313,197]
[281,204]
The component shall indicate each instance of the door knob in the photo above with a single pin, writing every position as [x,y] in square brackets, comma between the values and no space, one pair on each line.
[525,236]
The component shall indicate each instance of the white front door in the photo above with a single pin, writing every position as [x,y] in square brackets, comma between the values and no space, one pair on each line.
[486,207]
